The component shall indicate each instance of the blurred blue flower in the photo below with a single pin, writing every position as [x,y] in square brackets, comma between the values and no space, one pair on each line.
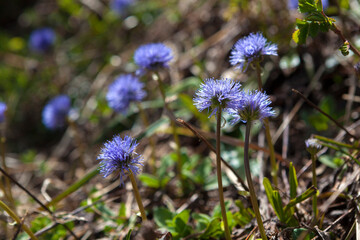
[120,6]
[251,49]
[213,94]
[42,39]
[3,108]
[254,106]
[118,155]
[125,89]
[152,56]
[293,4]
[56,111]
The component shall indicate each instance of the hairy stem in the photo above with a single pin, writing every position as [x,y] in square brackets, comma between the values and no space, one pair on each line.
[18,220]
[218,173]
[274,165]
[137,196]
[253,197]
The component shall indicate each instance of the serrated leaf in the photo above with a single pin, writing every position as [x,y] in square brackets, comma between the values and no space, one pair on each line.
[316,16]
[307,6]
[292,181]
[314,29]
[300,35]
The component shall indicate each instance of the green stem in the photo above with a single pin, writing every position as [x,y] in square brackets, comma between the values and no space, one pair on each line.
[274,165]
[137,196]
[157,78]
[218,173]
[314,182]
[253,197]
[329,140]
[18,220]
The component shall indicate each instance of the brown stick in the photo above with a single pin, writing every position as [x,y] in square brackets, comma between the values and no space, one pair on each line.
[321,111]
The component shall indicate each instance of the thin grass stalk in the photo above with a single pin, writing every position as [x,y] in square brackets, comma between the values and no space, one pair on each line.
[314,182]
[146,123]
[175,134]
[137,196]
[253,197]
[274,165]
[219,178]
[18,220]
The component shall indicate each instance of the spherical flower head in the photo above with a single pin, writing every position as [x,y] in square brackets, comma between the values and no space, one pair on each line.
[293,4]
[119,156]
[56,111]
[312,146]
[214,94]
[120,6]
[254,106]
[3,108]
[152,56]
[125,89]
[42,39]
[251,49]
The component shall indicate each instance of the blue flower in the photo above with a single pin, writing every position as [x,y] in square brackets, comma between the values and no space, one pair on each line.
[56,111]
[120,6]
[293,4]
[152,56]
[119,156]
[213,94]
[254,106]
[42,39]
[251,49]
[3,108]
[125,89]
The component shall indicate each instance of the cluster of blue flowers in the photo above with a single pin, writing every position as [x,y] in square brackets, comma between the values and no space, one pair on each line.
[227,94]
[121,6]
[119,156]
[3,108]
[250,50]
[124,90]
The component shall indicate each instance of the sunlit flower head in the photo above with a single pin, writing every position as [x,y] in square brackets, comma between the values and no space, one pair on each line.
[42,39]
[56,111]
[125,89]
[120,6]
[251,49]
[254,106]
[3,108]
[214,93]
[152,56]
[312,145]
[119,156]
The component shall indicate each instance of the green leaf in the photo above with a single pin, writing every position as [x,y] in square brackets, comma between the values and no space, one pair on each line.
[331,161]
[278,206]
[307,6]
[268,190]
[300,35]
[162,216]
[213,229]
[316,16]
[202,221]
[149,180]
[308,193]
[128,235]
[298,231]
[292,181]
